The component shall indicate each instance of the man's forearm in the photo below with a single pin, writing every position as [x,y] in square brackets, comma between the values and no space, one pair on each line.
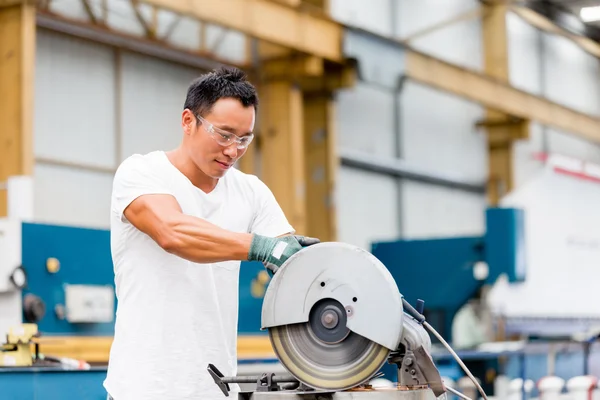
[200,241]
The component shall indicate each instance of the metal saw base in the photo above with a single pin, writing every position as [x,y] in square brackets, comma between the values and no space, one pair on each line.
[359,394]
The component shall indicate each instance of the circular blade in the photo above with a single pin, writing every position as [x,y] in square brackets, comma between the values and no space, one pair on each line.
[328,366]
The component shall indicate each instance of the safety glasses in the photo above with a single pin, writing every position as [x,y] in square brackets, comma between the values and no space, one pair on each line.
[225,138]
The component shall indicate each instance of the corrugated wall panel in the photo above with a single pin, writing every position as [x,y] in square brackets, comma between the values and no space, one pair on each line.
[439,133]
[526,72]
[74,100]
[433,211]
[571,75]
[556,68]
[524,61]
[366,120]
[77,122]
[74,123]
[153,95]
[372,15]
[438,129]
[67,196]
[367,207]
[459,42]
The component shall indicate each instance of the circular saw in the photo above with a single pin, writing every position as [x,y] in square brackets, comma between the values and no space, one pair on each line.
[334,314]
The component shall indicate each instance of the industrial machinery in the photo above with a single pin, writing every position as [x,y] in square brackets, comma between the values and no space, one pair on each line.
[539,247]
[335,316]
[543,239]
[463,264]
[17,349]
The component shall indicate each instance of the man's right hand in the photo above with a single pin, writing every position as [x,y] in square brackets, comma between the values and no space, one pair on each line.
[273,252]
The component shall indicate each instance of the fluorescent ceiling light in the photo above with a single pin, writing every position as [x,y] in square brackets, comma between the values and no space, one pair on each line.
[590,14]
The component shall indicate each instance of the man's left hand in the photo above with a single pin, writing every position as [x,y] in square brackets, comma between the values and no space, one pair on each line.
[306,241]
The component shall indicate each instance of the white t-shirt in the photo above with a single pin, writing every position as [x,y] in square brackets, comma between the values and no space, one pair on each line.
[174,317]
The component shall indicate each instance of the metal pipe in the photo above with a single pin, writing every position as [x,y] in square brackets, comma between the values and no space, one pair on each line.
[399,168]
[75,165]
[542,81]
[398,136]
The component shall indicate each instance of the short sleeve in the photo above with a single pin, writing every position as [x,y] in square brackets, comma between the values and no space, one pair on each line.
[269,218]
[135,177]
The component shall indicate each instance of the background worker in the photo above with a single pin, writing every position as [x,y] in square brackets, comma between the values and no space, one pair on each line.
[181,222]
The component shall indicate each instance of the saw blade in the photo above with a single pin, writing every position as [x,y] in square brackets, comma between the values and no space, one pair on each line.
[328,366]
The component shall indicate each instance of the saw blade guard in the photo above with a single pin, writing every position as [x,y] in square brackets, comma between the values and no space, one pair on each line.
[334,271]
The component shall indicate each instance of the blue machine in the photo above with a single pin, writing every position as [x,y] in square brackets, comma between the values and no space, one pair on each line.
[84,258]
[440,270]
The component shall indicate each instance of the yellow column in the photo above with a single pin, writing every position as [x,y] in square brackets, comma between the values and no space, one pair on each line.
[17,57]
[321,164]
[282,148]
[502,131]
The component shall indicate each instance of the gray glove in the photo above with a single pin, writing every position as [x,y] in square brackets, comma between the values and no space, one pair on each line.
[273,252]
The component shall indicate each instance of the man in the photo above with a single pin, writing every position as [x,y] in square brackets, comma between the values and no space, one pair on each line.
[181,223]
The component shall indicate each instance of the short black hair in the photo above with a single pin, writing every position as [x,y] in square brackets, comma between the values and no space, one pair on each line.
[223,82]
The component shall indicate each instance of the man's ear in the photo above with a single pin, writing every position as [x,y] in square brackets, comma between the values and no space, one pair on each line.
[188,121]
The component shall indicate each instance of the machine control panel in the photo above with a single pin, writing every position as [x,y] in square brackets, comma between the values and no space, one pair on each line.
[89,303]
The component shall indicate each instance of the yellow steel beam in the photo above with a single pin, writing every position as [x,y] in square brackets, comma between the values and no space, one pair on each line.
[501,129]
[321,164]
[282,148]
[17,53]
[273,22]
[96,349]
[541,22]
[498,95]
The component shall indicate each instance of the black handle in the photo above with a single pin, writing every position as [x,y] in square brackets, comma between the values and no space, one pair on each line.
[420,306]
[412,312]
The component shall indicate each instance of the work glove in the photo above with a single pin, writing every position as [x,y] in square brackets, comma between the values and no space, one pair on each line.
[273,252]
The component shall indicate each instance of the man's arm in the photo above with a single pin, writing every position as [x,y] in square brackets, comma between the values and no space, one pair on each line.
[191,238]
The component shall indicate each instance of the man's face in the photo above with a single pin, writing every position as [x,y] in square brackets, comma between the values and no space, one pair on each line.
[212,158]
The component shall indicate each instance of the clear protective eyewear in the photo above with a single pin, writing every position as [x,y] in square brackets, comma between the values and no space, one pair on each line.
[225,138]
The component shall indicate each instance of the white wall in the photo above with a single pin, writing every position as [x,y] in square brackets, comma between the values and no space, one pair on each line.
[152,95]
[554,67]
[436,130]
[80,136]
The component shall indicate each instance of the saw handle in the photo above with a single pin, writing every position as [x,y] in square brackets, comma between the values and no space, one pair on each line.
[410,310]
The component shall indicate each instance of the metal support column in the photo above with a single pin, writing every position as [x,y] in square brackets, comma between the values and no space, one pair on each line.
[321,164]
[282,148]
[17,57]
[501,129]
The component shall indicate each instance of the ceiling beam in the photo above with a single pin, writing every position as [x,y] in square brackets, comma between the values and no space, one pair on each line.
[135,43]
[499,96]
[272,22]
[544,23]
[397,60]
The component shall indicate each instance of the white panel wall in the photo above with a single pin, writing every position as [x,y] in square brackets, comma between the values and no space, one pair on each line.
[571,75]
[72,196]
[78,129]
[439,133]
[74,100]
[458,43]
[372,15]
[366,120]
[436,131]
[556,68]
[367,207]
[74,123]
[430,211]
[153,94]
